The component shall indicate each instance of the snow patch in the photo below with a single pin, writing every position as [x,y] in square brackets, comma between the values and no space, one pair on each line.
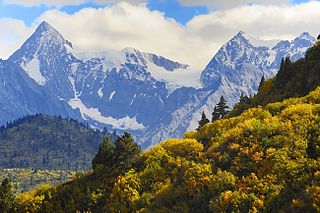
[177,79]
[259,42]
[100,93]
[32,68]
[111,95]
[94,114]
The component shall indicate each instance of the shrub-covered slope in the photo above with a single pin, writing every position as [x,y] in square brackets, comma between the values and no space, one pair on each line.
[265,160]
[48,142]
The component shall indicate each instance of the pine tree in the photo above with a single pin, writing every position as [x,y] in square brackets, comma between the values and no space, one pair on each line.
[6,197]
[261,83]
[105,155]
[284,73]
[204,120]
[215,114]
[222,107]
[126,151]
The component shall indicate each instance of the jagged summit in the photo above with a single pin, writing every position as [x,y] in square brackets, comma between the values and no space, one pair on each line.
[44,50]
[46,39]
[304,39]
[306,35]
[45,26]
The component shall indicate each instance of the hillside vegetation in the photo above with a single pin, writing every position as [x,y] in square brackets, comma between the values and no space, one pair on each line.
[23,180]
[265,160]
[48,142]
[294,79]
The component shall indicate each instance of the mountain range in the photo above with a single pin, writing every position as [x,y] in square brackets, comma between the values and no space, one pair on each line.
[132,90]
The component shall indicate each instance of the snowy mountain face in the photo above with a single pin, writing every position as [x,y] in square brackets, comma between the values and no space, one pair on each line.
[236,68]
[130,90]
[124,90]
[240,64]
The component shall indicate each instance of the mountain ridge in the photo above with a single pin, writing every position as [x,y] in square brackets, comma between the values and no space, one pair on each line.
[137,91]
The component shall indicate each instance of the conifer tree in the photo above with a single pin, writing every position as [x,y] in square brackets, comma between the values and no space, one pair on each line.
[215,114]
[204,120]
[6,197]
[261,83]
[284,73]
[127,151]
[222,107]
[105,155]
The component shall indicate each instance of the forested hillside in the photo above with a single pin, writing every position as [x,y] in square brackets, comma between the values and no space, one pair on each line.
[48,142]
[24,180]
[265,160]
[294,79]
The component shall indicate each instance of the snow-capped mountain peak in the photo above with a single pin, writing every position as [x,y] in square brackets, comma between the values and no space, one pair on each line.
[304,39]
[44,48]
[48,35]
[130,89]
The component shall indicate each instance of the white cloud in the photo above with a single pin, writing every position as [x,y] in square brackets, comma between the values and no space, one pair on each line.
[124,25]
[60,3]
[12,35]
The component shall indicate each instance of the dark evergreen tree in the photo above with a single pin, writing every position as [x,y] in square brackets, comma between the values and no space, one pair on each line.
[284,73]
[318,37]
[204,120]
[127,151]
[261,83]
[105,155]
[222,107]
[7,203]
[215,114]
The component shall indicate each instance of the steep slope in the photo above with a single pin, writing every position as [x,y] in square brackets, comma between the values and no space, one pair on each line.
[265,160]
[20,95]
[294,79]
[143,93]
[47,142]
[236,68]
[240,64]
[123,90]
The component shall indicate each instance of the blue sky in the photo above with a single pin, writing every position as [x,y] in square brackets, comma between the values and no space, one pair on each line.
[171,8]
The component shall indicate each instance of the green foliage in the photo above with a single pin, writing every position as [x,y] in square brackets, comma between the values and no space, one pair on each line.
[24,180]
[203,121]
[123,154]
[222,107]
[48,142]
[6,197]
[127,152]
[105,154]
[31,201]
